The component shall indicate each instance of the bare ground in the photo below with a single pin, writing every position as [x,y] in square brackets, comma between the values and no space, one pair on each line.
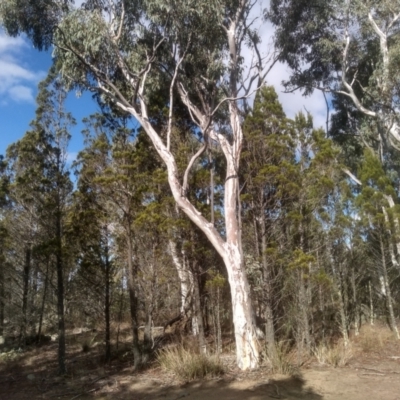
[372,372]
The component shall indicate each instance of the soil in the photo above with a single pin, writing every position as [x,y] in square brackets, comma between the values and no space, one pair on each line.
[372,372]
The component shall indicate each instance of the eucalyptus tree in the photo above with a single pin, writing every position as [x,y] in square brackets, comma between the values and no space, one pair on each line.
[349,47]
[125,49]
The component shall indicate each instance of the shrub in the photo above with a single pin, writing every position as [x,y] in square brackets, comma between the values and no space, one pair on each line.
[188,365]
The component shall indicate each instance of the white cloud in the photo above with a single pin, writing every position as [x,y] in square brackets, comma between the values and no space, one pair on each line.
[295,102]
[8,43]
[17,82]
[21,93]
[292,102]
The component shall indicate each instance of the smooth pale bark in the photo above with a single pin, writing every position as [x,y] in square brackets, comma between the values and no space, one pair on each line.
[389,301]
[184,275]
[371,304]
[396,236]
[391,249]
[197,309]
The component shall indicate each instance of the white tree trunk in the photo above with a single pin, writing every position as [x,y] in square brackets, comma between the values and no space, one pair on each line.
[247,352]
[185,278]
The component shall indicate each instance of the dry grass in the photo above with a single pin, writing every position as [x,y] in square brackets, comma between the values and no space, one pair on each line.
[188,365]
[335,355]
[282,360]
[373,339]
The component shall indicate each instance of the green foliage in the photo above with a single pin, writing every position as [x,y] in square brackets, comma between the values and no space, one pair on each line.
[38,19]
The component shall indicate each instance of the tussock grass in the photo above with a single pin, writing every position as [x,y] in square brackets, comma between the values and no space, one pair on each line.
[188,365]
[336,355]
[282,360]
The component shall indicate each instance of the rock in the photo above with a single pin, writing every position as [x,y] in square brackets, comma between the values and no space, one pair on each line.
[31,377]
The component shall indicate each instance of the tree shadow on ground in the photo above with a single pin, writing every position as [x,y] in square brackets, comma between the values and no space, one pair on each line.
[34,375]
[285,388]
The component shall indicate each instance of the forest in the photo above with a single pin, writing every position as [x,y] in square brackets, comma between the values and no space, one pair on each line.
[197,208]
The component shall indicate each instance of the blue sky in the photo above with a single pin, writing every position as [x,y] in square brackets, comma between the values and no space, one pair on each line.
[21,69]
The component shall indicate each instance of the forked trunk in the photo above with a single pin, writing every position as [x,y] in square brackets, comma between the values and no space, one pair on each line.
[247,351]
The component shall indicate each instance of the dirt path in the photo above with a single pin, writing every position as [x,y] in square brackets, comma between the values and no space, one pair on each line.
[350,383]
[314,384]
[373,373]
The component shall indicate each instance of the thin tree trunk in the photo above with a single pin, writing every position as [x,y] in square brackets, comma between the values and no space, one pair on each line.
[267,284]
[389,303]
[2,295]
[148,340]
[305,326]
[184,275]
[27,268]
[107,301]
[210,160]
[339,288]
[396,235]
[121,307]
[46,284]
[303,300]
[355,302]
[198,311]
[371,304]
[32,305]
[137,355]
[218,315]
[60,300]
[148,333]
